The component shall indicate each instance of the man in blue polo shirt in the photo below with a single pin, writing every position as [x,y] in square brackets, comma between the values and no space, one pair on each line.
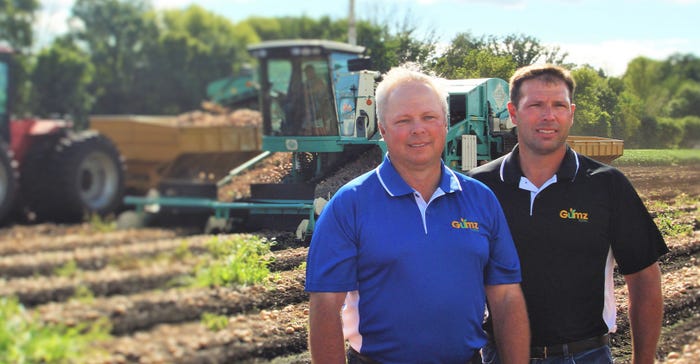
[572,219]
[403,257]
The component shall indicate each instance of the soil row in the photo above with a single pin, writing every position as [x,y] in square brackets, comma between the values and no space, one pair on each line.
[138,315]
[259,337]
[21,243]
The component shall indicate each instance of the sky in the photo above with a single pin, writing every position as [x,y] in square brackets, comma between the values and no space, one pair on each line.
[606,34]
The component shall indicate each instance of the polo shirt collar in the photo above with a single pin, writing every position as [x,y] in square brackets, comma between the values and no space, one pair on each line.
[396,186]
[510,171]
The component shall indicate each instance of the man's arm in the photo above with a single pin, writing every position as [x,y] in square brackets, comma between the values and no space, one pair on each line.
[510,322]
[645,312]
[326,341]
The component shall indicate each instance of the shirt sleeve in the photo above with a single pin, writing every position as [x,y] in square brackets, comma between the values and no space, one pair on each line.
[636,240]
[332,260]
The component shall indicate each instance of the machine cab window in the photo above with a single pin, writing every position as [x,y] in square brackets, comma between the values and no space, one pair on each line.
[298,80]
[300,97]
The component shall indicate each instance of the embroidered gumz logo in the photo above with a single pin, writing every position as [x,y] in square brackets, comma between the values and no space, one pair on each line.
[573,214]
[464,224]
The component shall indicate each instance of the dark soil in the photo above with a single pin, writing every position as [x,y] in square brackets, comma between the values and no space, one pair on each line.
[136,278]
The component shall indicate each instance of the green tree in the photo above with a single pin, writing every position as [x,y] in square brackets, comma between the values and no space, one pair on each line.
[691,135]
[195,47]
[645,78]
[450,63]
[116,34]
[265,28]
[298,28]
[669,133]
[686,101]
[590,118]
[393,39]
[60,80]
[480,64]
[627,119]
[525,50]
[16,19]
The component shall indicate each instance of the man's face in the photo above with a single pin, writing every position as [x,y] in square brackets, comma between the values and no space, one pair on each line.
[543,116]
[310,73]
[414,126]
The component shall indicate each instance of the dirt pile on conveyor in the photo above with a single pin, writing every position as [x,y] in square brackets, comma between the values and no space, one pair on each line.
[214,117]
[276,167]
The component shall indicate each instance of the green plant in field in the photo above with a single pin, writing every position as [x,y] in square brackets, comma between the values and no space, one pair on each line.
[657,157]
[102,224]
[241,259]
[83,294]
[182,252]
[685,200]
[214,322]
[23,339]
[670,227]
[70,269]
[681,200]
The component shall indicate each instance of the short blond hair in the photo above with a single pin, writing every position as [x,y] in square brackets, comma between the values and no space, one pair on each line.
[408,72]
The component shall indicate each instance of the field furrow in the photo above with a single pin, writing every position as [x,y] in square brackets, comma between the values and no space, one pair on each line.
[21,243]
[144,283]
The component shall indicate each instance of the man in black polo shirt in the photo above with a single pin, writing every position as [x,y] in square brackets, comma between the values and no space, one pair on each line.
[572,218]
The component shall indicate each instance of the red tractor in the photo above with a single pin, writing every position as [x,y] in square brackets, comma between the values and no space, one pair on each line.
[48,171]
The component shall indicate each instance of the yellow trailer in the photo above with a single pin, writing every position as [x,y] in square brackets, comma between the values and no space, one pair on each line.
[162,147]
[602,149]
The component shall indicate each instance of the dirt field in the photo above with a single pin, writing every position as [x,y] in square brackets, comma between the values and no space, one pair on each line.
[133,277]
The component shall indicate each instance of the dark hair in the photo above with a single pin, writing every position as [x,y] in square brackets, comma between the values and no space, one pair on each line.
[548,73]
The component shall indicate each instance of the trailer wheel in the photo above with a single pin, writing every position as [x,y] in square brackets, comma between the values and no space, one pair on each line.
[80,174]
[8,181]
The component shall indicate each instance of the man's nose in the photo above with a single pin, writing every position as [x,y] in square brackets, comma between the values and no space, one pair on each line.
[548,112]
[417,127]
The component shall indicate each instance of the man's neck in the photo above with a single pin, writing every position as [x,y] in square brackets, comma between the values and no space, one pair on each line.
[539,168]
[423,181]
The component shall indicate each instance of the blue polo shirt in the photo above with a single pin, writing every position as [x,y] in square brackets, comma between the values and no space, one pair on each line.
[415,275]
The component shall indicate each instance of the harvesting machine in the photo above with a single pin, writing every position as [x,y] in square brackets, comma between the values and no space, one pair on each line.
[317,102]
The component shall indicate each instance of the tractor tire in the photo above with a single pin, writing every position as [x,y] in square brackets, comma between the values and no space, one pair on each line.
[8,182]
[72,177]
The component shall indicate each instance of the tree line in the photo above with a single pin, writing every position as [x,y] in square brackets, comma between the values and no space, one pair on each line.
[125,57]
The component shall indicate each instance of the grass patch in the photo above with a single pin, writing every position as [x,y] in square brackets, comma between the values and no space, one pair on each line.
[214,322]
[670,226]
[658,157]
[239,259]
[68,270]
[24,340]
[101,224]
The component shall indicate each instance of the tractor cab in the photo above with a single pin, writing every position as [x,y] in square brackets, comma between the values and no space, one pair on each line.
[5,55]
[312,98]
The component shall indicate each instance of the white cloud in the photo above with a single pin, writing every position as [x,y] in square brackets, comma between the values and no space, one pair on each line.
[51,20]
[614,55]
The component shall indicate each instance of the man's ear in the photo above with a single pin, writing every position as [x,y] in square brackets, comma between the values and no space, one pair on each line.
[511,111]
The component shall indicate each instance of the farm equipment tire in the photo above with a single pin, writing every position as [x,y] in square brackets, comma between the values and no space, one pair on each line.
[72,177]
[8,181]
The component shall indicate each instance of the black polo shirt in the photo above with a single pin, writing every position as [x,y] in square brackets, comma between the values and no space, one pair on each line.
[564,239]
